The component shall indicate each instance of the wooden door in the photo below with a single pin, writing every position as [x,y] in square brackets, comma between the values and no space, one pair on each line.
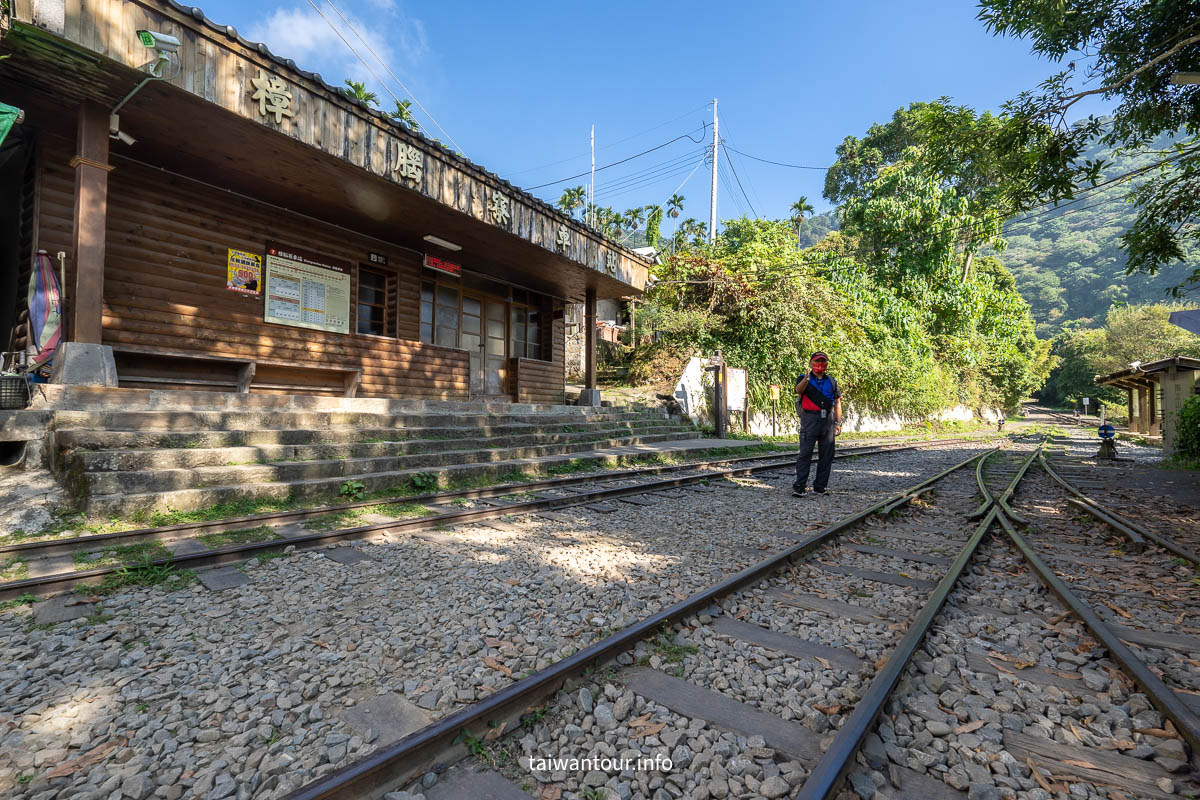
[471,340]
[495,357]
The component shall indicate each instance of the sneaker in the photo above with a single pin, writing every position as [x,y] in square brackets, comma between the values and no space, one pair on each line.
[819,491]
[797,493]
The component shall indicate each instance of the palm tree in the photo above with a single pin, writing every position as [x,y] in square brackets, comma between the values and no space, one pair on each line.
[675,205]
[358,91]
[572,199]
[634,217]
[799,209]
[404,115]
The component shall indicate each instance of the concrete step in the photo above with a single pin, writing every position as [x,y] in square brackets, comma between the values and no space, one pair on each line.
[127,502]
[149,480]
[85,398]
[314,420]
[221,453]
[102,439]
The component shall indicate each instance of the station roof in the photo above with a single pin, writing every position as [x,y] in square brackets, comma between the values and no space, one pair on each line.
[325,154]
[1144,375]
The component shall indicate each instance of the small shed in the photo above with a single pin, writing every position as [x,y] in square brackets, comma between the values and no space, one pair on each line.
[1156,391]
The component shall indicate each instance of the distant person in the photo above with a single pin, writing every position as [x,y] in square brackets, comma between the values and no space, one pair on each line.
[1000,422]
[820,408]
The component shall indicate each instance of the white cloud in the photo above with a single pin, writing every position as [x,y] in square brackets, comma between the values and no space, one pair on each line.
[303,36]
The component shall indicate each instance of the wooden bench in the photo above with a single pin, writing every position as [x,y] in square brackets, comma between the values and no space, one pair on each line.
[247,368]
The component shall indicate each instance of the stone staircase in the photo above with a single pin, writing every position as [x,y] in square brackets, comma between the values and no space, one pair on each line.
[122,451]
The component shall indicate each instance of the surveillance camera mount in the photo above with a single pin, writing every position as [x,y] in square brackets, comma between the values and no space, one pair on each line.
[164,46]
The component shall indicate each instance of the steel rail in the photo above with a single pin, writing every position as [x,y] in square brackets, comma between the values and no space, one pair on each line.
[1125,526]
[48,584]
[826,778]
[393,764]
[170,533]
[1187,723]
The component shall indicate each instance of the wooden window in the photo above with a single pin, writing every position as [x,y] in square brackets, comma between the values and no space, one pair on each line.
[376,302]
[439,314]
[524,332]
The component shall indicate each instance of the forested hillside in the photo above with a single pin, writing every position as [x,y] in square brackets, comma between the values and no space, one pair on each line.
[1069,263]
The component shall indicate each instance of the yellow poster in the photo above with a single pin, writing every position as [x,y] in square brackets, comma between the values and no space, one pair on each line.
[244,272]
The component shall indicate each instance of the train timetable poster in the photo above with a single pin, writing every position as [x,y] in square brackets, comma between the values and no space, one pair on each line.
[306,291]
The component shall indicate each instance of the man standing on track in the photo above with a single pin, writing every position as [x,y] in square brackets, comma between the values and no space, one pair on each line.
[820,408]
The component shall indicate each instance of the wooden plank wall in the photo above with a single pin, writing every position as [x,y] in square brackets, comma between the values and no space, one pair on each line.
[220,70]
[165,280]
[536,381]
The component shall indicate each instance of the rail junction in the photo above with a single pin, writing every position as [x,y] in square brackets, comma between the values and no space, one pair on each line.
[983,621]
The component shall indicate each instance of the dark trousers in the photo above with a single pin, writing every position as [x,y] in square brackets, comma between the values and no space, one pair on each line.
[819,432]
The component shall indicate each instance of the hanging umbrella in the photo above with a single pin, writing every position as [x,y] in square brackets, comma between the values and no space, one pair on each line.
[9,116]
[45,311]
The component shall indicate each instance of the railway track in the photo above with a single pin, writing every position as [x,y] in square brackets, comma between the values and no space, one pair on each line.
[62,564]
[855,624]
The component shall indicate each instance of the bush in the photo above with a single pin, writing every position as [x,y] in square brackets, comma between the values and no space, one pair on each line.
[1187,444]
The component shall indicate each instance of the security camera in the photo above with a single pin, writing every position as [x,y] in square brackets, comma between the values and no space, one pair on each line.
[164,46]
[115,132]
[160,42]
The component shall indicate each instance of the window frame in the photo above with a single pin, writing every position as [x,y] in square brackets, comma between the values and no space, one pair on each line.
[390,305]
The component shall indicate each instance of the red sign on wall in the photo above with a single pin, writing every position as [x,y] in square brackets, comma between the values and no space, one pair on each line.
[441,265]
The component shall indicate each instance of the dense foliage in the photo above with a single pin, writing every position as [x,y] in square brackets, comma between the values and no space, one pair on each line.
[1130,333]
[1127,52]
[1187,442]
[1070,264]
[913,346]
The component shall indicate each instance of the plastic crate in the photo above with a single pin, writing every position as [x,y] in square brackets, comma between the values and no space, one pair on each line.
[14,392]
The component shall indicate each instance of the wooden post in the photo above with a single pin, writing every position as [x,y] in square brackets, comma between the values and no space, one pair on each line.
[1132,425]
[589,339]
[91,213]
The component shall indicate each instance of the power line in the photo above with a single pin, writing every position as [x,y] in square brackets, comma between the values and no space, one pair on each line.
[632,176]
[672,194]
[408,91]
[610,145]
[644,182]
[777,163]
[733,169]
[749,181]
[723,169]
[616,163]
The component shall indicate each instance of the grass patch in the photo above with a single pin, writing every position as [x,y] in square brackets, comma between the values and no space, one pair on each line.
[14,568]
[125,554]
[142,573]
[24,600]
[226,538]
[351,516]
[670,652]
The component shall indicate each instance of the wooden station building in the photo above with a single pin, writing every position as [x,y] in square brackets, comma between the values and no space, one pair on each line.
[238,224]
[1155,392]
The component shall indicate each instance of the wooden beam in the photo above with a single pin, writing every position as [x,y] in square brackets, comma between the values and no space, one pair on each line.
[90,220]
[589,346]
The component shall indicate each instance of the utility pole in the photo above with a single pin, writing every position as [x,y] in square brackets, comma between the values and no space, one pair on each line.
[712,207]
[592,185]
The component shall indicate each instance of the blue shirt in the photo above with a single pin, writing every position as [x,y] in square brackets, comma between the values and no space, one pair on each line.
[823,384]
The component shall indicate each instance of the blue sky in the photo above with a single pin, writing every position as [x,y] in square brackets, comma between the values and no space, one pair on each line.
[518,85]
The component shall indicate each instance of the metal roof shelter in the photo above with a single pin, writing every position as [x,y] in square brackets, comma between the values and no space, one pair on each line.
[1188,320]
[1156,391]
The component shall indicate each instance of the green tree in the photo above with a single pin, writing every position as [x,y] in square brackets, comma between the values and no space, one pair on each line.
[654,218]
[1133,51]
[799,209]
[572,199]
[403,114]
[634,217]
[358,91]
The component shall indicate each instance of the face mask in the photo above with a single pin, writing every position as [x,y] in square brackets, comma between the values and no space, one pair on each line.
[819,367]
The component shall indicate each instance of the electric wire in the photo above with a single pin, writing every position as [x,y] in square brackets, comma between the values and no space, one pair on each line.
[610,145]
[408,91]
[723,172]
[777,163]
[745,169]
[645,182]
[699,164]
[686,158]
[733,169]
[622,161]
